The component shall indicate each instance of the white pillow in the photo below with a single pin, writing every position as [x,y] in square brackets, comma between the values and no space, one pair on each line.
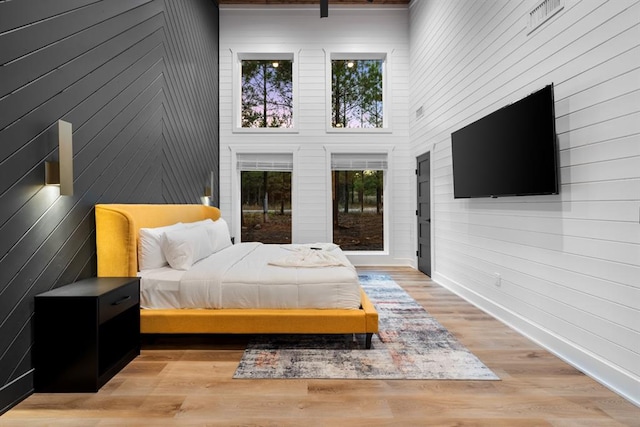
[149,247]
[218,231]
[183,247]
[198,223]
[219,234]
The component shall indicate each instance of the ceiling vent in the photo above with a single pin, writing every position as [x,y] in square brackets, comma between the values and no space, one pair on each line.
[542,12]
[419,112]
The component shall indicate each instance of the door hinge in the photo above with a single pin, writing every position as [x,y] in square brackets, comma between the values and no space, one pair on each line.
[416,212]
[416,171]
[417,253]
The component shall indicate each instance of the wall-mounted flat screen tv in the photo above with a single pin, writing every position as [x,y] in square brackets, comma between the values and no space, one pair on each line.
[510,152]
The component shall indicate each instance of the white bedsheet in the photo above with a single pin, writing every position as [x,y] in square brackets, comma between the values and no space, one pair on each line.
[160,287]
[241,276]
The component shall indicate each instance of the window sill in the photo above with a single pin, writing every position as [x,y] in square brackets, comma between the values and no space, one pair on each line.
[266,130]
[359,130]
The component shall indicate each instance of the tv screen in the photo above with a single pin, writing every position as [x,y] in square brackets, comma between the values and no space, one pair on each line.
[510,152]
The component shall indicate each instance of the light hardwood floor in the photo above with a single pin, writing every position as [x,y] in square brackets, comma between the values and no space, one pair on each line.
[187,382]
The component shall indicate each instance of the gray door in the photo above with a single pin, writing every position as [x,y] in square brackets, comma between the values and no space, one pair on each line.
[424,213]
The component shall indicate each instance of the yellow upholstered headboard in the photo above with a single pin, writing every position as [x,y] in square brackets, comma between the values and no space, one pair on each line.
[117,228]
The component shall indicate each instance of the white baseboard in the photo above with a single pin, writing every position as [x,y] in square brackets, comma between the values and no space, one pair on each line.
[377,259]
[618,381]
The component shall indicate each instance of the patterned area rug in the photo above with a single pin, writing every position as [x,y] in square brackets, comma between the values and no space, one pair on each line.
[410,345]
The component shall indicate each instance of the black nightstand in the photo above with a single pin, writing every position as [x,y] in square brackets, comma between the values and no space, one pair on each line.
[85,333]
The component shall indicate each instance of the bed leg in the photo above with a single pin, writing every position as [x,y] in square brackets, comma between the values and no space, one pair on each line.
[367,343]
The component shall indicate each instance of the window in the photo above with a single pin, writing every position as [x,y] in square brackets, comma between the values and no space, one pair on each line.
[358,200]
[357,91]
[265,197]
[266,91]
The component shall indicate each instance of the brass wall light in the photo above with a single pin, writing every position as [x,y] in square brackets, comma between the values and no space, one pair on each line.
[208,191]
[61,172]
[206,199]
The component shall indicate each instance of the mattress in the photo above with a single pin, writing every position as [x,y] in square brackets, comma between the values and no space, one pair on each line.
[253,275]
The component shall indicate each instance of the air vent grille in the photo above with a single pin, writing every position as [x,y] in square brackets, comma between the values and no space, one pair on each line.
[419,112]
[543,11]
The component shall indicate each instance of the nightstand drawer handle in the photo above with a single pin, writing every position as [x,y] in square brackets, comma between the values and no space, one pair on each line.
[121,300]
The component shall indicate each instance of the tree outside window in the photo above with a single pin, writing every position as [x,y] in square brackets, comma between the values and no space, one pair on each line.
[267,93]
[356,93]
[358,223]
[266,206]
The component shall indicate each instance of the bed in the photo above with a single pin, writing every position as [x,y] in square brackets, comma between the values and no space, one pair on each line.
[117,247]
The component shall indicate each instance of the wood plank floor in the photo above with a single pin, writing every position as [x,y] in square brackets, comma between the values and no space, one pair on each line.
[187,382]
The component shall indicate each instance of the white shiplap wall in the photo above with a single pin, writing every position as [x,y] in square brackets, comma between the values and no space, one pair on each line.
[301,31]
[569,263]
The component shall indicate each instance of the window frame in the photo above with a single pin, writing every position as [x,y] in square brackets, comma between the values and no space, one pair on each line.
[236,184]
[386,189]
[384,56]
[238,57]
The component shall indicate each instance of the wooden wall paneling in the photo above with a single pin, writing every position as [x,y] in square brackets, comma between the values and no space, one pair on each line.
[606,230]
[116,156]
[122,186]
[185,98]
[448,85]
[151,186]
[69,91]
[603,191]
[184,52]
[13,229]
[602,110]
[568,262]
[101,65]
[19,194]
[148,154]
[601,131]
[175,151]
[20,13]
[613,271]
[606,209]
[31,38]
[461,51]
[588,296]
[543,309]
[609,150]
[109,126]
[86,51]
[592,93]
[189,148]
[172,160]
[83,264]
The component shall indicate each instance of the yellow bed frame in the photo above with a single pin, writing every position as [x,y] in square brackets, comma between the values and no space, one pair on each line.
[117,228]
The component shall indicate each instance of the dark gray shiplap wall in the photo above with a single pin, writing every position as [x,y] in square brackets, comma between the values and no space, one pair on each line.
[138,80]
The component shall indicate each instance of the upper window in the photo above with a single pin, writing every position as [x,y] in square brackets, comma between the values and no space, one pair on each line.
[357,91]
[265,92]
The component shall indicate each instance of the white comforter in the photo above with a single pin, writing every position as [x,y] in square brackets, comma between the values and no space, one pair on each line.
[246,276]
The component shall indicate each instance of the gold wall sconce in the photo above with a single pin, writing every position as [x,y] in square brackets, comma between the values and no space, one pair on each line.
[206,199]
[61,172]
[208,191]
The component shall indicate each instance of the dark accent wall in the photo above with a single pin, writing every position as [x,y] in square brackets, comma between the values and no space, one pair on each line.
[138,80]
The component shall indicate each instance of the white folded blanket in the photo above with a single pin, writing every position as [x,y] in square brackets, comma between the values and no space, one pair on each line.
[313,255]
